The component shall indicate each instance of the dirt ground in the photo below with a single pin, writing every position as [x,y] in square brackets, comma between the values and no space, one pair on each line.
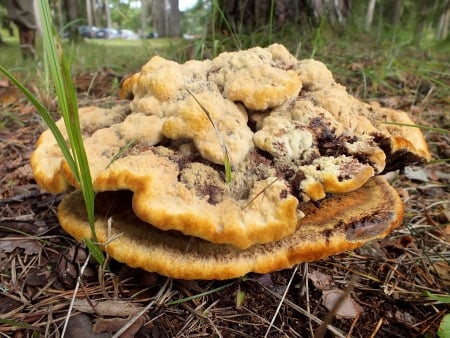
[384,281]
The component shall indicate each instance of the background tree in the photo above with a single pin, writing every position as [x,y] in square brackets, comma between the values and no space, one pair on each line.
[244,16]
[166,18]
[257,16]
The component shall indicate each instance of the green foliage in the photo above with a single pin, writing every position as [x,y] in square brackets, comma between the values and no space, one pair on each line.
[74,153]
[195,21]
[16,323]
[202,294]
[444,327]
[67,101]
[443,299]
[126,17]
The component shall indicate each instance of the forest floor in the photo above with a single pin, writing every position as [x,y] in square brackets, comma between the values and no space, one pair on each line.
[385,280]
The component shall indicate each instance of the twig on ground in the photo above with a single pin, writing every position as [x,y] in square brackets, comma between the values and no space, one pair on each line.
[281,301]
[75,291]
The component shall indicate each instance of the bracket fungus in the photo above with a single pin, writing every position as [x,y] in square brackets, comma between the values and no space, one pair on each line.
[304,154]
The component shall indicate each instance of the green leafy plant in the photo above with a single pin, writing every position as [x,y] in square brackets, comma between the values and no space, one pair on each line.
[73,152]
[444,326]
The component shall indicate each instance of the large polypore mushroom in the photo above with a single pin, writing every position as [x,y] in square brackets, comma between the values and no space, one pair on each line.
[342,222]
[304,155]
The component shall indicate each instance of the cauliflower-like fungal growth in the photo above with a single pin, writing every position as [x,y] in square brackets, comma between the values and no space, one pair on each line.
[289,133]
[314,74]
[259,78]
[283,138]
[230,119]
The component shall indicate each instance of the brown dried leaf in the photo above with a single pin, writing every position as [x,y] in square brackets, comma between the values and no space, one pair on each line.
[321,280]
[442,268]
[9,244]
[265,280]
[112,325]
[419,174]
[348,307]
[4,83]
[113,308]
[80,326]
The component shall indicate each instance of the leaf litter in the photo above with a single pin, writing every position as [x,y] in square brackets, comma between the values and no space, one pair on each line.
[40,264]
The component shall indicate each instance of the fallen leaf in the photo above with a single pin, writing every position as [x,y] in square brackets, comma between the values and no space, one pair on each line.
[438,175]
[442,268]
[9,244]
[38,277]
[80,326]
[113,308]
[405,317]
[390,175]
[321,280]
[348,308]
[8,304]
[417,174]
[112,325]
[425,175]
[265,280]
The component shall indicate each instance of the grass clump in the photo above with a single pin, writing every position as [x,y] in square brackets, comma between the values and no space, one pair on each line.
[74,152]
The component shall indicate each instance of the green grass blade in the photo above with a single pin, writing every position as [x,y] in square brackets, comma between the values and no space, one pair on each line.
[206,293]
[67,102]
[444,299]
[223,17]
[437,130]
[45,116]
[16,324]
[121,151]
[226,154]
[95,251]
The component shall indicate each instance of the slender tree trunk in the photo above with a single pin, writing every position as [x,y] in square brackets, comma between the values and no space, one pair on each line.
[59,13]
[144,8]
[396,12]
[107,14]
[420,20]
[158,17]
[444,21]
[89,12]
[174,19]
[71,12]
[369,15]
[97,13]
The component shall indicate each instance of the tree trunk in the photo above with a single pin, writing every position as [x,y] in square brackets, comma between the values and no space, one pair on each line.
[96,10]
[59,14]
[396,12]
[369,16]
[107,14]
[89,12]
[335,10]
[158,17]
[443,12]
[248,16]
[71,12]
[174,19]
[144,8]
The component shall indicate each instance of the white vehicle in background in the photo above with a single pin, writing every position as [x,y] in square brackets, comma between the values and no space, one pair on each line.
[127,34]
